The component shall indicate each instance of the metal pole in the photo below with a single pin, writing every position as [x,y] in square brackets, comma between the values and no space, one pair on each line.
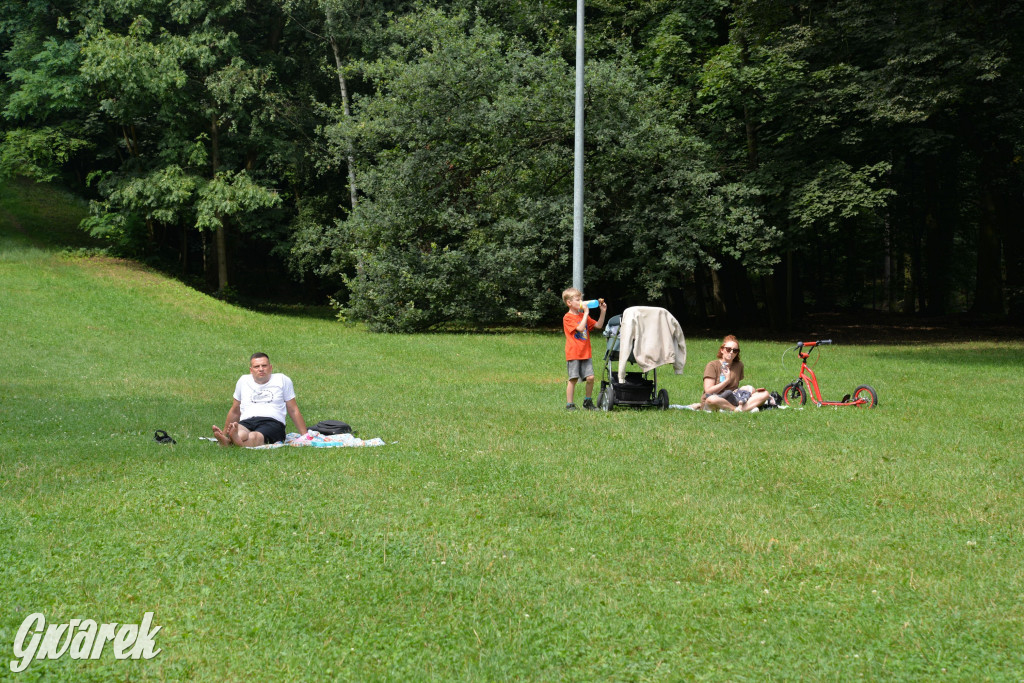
[577,208]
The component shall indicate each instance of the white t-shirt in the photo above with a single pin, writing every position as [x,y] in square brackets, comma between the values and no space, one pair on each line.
[264,400]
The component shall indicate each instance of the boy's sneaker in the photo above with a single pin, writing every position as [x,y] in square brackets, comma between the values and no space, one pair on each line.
[588,404]
[570,406]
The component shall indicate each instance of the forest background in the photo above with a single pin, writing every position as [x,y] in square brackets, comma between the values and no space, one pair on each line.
[745,160]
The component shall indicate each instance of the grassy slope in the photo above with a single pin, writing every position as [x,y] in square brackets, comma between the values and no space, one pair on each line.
[496,536]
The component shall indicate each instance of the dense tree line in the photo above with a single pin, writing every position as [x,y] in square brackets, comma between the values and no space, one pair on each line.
[744,158]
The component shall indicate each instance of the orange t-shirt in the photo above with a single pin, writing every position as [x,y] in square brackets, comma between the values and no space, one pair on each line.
[577,344]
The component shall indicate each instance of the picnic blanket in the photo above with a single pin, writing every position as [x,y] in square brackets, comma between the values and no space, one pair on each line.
[318,440]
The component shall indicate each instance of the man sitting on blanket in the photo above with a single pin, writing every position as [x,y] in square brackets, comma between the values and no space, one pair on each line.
[257,414]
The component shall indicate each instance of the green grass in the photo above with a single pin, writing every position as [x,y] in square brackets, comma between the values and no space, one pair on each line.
[495,537]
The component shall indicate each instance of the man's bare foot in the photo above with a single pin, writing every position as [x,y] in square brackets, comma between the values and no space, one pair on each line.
[221,437]
[232,433]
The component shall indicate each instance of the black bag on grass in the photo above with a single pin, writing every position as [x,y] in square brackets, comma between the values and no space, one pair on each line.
[774,401]
[328,427]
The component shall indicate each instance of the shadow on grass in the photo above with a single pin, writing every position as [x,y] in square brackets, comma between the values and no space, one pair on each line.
[43,216]
[1010,357]
[305,311]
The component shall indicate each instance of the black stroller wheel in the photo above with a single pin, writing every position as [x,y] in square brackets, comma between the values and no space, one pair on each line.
[606,399]
[663,399]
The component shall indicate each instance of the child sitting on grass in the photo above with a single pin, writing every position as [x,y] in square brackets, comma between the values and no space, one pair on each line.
[577,324]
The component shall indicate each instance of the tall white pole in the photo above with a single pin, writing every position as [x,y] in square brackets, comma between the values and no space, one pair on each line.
[577,207]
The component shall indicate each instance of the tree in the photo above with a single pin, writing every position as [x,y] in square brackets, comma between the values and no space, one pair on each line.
[189,99]
[743,157]
[186,105]
[42,115]
[467,146]
[787,126]
[941,84]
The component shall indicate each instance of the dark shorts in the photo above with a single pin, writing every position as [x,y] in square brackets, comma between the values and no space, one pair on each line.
[729,395]
[271,429]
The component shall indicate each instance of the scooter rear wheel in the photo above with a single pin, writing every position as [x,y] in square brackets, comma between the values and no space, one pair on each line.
[866,394]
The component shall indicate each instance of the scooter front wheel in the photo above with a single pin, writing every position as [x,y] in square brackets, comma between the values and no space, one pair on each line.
[794,394]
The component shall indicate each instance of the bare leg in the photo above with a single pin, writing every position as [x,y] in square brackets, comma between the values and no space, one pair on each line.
[590,387]
[570,391]
[243,437]
[255,439]
[756,400]
[717,403]
[221,437]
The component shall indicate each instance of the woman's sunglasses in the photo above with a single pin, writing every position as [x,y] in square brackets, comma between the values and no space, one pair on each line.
[730,348]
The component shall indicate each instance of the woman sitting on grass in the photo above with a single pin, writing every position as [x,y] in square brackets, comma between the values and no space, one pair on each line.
[722,390]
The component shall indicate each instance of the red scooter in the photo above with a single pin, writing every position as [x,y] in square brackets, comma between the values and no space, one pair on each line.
[795,393]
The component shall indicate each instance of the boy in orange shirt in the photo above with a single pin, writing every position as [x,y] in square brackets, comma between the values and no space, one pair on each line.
[577,324]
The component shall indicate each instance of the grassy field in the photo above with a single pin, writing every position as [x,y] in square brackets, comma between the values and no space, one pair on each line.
[496,536]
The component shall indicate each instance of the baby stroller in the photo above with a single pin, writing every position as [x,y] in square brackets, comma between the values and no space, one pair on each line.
[648,337]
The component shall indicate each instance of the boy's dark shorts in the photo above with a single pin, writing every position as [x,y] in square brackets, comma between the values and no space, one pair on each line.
[580,369]
[271,429]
